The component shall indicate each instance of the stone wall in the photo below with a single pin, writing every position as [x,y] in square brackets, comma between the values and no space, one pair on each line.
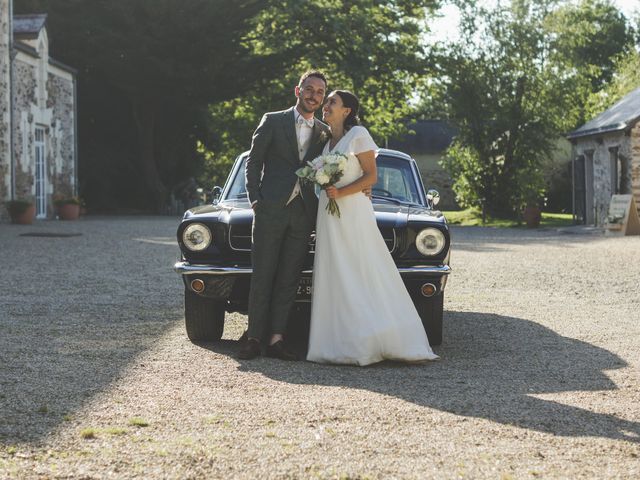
[602,173]
[43,97]
[24,89]
[62,137]
[635,162]
[57,118]
[5,105]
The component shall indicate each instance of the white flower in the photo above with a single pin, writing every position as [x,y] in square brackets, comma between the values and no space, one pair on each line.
[317,163]
[322,178]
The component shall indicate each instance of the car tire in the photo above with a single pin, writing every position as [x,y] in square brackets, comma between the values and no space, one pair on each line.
[431,313]
[204,317]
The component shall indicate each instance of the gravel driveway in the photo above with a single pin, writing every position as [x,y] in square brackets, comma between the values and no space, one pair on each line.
[538,378]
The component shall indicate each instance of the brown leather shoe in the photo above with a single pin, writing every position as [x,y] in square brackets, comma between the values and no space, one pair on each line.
[250,350]
[278,350]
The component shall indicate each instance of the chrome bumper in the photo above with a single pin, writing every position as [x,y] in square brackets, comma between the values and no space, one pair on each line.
[185,268]
[422,270]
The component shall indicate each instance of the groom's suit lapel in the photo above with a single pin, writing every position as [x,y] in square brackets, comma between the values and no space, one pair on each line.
[289,125]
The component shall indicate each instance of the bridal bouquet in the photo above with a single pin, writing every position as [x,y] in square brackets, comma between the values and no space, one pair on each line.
[326,171]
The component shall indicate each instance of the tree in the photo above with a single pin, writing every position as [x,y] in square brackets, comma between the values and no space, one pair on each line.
[626,78]
[372,47]
[512,86]
[500,93]
[585,40]
[147,71]
[165,83]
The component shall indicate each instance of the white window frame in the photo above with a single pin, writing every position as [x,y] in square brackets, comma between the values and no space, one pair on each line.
[40,177]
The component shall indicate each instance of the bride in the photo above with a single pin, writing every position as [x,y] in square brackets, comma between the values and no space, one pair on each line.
[361,312]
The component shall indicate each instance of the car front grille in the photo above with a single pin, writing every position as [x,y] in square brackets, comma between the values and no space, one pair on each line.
[390,238]
[240,238]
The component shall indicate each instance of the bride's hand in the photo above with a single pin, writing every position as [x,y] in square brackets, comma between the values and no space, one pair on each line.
[332,192]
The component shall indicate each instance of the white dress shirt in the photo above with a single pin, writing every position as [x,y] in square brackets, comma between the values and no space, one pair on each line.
[304,129]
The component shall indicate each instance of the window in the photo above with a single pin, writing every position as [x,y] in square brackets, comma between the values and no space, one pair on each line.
[614,170]
[40,177]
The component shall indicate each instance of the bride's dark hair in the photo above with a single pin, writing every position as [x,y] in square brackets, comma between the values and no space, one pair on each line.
[349,100]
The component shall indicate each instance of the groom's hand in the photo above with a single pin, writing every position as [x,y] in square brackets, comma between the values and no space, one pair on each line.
[367,192]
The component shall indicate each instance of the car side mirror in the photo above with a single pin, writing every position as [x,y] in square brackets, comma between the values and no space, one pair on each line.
[433,198]
[216,192]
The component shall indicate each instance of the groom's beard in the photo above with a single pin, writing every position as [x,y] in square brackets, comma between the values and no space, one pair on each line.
[308,107]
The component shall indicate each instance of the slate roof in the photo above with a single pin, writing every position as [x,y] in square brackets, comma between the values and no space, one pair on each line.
[29,26]
[431,136]
[621,116]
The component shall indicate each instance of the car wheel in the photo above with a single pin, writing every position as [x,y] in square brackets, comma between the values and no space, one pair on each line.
[431,310]
[204,317]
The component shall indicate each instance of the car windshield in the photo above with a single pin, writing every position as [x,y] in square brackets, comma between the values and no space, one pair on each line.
[236,190]
[396,182]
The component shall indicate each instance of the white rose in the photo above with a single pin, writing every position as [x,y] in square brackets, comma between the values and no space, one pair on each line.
[322,178]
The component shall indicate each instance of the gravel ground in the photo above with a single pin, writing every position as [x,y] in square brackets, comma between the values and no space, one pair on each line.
[538,378]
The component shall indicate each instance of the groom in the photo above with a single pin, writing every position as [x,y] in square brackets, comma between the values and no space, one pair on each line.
[284,213]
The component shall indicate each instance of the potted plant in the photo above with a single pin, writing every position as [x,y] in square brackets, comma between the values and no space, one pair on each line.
[68,208]
[531,211]
[532,214]
[21,211]
[532,189]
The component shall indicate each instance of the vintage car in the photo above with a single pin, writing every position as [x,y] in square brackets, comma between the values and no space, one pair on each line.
[215,241]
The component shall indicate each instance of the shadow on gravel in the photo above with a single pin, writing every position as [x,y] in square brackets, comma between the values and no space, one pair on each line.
[75,312]
[492,367]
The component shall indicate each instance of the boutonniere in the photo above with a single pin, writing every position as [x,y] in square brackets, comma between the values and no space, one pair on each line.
[324,136]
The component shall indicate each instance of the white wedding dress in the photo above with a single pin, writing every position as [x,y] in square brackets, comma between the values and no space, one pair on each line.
[361,312]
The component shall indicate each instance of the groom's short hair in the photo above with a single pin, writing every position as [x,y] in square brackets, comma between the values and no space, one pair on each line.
[313,73]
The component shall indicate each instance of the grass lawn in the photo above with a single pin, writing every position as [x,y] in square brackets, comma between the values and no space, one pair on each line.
[471,216]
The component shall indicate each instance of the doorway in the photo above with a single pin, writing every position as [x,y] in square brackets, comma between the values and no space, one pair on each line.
[583,188]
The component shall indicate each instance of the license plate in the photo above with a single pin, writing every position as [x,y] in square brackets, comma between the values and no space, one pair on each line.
[304,290]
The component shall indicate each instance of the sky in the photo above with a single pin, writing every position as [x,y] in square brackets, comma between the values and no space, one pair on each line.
[445,27]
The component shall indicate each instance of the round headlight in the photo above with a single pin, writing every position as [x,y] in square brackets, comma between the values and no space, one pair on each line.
[430,241]
[196,237]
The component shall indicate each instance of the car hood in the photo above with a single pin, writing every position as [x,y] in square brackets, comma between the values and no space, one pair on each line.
[393,215]
[236,211]
[387,214]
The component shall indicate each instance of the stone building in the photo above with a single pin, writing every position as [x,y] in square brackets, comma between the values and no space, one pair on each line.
[606,159]
[38,116]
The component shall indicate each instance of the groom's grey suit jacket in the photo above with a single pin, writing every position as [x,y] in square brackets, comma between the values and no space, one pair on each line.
[274,159]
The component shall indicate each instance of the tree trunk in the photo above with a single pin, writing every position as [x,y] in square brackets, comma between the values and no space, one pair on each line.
[144,116]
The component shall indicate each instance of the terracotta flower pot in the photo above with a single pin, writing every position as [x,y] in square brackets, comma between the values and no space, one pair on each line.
[24,217]
[69,211]
[532,216]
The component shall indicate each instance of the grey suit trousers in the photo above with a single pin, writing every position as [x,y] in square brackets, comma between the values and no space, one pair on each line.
[280,245]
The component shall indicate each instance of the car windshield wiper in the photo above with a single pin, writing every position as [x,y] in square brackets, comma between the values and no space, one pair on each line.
[394,200]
